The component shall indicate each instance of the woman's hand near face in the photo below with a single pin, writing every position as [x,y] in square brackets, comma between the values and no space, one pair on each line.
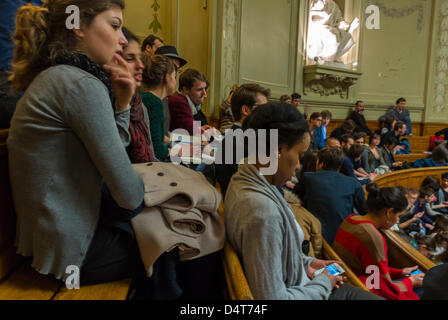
[122,81]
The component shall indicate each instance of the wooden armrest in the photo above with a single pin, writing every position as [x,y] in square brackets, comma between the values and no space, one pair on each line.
[401,254]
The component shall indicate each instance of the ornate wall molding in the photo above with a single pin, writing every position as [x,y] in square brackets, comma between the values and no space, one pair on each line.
[401,13]
[155,25]
[442,56]
[230,44]
[323,81]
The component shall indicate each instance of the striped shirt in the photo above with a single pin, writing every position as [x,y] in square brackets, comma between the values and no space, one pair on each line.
[360,245]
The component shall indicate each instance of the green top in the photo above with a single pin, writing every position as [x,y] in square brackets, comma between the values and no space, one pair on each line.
[156,118]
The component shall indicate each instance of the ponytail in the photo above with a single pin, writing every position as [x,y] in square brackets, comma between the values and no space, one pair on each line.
[386,198]
[30,38]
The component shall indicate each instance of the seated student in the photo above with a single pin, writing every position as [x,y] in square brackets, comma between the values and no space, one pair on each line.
[309,164]
[435,284]
[360,138]
[315,122]
[439,158]
[160,79]
[357,115]
[442,193]
[421,204]
[322,130]
[352,166]
[386,124]
[333,143]
[329,195]
[409,222]
[440,253]
[426,246]
[400,113]
[64,144]
[399,130]
[387,151]
[173,55]
[438,205]
[286,99]
[140,149]
[186,105]
[347,128]
[245,99]
[372,157]
[360,244]
[226,118]
[261,225]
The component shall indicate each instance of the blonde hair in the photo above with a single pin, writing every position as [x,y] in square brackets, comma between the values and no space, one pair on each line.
[156,68]
[41,35]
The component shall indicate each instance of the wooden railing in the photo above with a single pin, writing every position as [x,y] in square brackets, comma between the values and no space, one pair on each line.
[411,178]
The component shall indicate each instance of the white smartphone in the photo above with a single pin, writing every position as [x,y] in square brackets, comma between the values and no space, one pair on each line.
[333,269]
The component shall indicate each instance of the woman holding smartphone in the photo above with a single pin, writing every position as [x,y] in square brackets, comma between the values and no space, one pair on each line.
[64,145]
[261,225]
[361,245]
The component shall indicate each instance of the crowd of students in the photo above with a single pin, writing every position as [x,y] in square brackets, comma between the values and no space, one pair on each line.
[95,102]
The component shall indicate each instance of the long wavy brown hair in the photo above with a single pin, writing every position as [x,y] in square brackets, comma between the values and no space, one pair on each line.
[41,35]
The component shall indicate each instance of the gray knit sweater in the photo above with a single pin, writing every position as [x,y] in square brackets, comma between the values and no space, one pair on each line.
[262,228]
[63,144]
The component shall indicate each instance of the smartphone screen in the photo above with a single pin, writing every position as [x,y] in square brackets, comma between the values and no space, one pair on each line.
[416,272]
[332,270]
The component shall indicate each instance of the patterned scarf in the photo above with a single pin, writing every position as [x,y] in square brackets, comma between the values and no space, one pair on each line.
[140,148]
[85,63]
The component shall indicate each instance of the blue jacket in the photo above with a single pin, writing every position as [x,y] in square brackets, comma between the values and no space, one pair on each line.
[321,136]
[331,197]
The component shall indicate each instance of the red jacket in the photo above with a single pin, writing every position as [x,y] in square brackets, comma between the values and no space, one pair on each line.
[181,115]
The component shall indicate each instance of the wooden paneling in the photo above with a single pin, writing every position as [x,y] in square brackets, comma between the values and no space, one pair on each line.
[411,157]
[429,129]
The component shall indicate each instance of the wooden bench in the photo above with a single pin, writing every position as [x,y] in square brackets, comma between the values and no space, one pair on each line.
[411,178]
[237,285]
[411,157]
[18,281]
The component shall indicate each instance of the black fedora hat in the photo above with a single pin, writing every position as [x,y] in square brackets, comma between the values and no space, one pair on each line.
[171,51]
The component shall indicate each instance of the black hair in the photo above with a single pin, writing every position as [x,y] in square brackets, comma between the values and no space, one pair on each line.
[296,96]
[290,123]
[431,182]
[390,141]
[331,159]
[129,35]
[345,137]
[426,192]
[445,175]
[399,125]
[359,135]
[246,95]
[400,100]
[386,198]
[440,153]
[355,151]
[309,163]
[315,115]
[150,40]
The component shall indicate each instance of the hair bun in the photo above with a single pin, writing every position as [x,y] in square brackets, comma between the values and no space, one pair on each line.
[373,190]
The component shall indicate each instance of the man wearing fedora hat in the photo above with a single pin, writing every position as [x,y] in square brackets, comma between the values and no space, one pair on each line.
[170,52]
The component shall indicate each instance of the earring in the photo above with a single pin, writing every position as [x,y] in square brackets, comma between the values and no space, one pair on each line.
[279,155]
